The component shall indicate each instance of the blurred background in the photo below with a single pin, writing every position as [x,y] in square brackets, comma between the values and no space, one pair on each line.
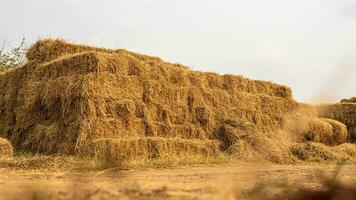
[309,45]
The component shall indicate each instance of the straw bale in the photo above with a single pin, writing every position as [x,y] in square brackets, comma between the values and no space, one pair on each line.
[339,130]
[343,112]
[308,128]
[117,150]
[5,148]
[48,50]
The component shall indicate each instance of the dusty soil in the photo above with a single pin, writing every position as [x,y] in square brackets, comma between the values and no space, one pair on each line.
[216,182]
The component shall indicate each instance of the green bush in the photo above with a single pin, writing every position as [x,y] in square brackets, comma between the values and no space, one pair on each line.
[12,57]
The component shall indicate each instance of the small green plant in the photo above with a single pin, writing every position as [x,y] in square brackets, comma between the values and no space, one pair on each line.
[12,57]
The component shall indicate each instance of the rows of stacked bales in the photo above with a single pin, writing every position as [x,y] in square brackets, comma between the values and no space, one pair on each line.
[40,113]
[115,103]
[345,112]
[175,109]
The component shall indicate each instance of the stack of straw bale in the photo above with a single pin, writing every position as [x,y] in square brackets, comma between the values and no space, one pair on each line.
[116,104]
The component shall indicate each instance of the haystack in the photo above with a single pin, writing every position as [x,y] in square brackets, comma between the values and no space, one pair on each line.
[117,105]
[5,148]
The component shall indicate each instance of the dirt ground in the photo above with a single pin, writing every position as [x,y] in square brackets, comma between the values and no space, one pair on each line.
[214,182]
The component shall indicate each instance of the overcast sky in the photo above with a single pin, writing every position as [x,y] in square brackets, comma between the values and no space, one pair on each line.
[309,45]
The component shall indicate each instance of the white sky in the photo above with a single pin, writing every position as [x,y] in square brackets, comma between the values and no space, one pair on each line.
[309,45]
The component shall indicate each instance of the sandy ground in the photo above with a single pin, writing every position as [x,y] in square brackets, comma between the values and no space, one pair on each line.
[217,182]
